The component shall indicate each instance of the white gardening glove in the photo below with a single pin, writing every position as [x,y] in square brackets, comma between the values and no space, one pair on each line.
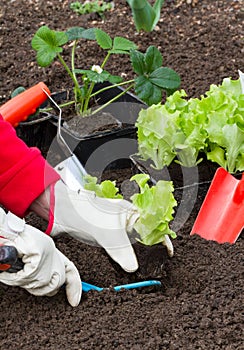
[45,269]
[93,220]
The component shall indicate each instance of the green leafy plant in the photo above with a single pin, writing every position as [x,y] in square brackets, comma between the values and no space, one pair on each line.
[213,124]
[106,189]
[151,80]
[92,6]
[155,206]
[144,14]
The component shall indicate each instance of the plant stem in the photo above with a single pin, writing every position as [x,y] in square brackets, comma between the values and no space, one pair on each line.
[112,86]
[89,93]
[73,63]
[88,96]
[68,71]
[61,106]
[105,60]
[112,100]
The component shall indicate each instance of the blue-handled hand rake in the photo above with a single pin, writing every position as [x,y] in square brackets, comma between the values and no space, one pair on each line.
[86,287]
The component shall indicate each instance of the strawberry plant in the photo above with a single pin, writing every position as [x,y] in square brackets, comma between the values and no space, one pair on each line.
[149,83]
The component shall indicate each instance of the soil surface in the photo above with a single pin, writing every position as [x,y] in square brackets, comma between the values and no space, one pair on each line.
[200,302]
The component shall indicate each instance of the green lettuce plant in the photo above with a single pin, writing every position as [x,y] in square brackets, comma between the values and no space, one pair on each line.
[149,83]
[155,206]
[182,129]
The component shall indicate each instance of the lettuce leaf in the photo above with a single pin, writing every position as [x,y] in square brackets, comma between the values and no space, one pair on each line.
[155,206]
[225,125]
[106,189]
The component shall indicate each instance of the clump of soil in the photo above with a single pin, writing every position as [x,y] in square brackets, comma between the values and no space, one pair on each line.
[91,125]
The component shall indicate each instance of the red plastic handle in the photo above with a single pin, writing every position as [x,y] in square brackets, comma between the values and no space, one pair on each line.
[23,105]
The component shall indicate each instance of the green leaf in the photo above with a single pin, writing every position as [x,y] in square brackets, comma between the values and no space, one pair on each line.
[103,39]
[156,131]
[146,91]
[217,155]
[123,44]
[107,188]
[138,63]
[165,78]
[114,79]
[89,34]
[141,180]
[94,76]
[153,59]
[75,33]
[119,52]
[48,43]
[155,206]
[17,91]
[145,16]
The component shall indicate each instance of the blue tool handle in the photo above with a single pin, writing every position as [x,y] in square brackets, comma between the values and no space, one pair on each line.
[138,285]
[86,287]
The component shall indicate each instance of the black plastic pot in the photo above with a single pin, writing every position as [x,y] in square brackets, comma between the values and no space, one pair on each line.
[104,149]
[98,151]
[37,132]
[180,175]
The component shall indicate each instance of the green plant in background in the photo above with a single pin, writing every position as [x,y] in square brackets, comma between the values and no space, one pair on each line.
[145,15]
[151,80]
[213,124]
[92,6]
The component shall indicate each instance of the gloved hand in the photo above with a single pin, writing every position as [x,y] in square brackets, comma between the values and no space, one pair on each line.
[45,269]
[98,221]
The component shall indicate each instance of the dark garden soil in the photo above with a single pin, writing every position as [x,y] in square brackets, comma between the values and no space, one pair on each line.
[200,303]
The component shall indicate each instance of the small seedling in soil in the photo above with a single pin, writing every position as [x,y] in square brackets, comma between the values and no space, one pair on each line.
[92,6]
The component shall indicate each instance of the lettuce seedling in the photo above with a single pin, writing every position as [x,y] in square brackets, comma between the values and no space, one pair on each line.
[92,6]
[106,189]
[212,124]
[152,79]
[155,206]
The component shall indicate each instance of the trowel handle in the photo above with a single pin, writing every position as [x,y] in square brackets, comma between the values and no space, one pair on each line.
[20,107]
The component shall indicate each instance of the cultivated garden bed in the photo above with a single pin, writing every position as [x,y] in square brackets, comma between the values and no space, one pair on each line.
[199,305]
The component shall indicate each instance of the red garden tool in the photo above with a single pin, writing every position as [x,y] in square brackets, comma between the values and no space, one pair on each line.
[20,107]
[221,217]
